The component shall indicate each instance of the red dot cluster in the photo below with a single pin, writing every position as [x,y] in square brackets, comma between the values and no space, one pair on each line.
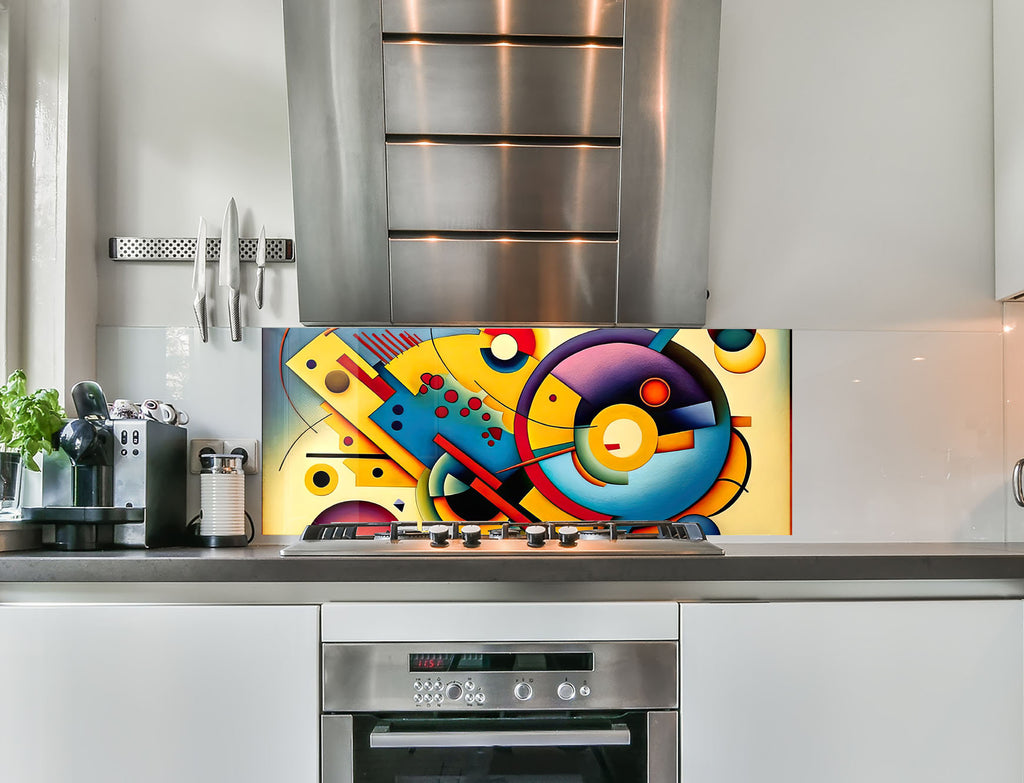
[436,382]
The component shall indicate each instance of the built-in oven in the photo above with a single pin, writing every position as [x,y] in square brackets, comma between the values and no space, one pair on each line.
[500,712]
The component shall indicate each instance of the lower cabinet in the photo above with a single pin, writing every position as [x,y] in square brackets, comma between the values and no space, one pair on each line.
[159,694]
[852,692]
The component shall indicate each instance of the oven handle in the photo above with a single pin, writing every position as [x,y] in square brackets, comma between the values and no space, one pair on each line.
[382,737]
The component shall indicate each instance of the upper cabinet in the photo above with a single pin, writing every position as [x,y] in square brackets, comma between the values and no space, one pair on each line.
[1008,130]
[459,161]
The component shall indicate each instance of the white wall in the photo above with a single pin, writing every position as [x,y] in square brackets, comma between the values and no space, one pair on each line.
[852,202]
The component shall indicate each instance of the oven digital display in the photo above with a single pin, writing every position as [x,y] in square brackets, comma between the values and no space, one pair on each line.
[502,662]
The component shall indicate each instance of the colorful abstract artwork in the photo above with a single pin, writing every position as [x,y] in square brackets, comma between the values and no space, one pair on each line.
[523,425]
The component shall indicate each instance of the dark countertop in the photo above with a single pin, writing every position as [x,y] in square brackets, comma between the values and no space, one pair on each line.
[746,562]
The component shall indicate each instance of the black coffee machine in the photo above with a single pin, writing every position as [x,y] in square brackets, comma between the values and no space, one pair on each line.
[114,482]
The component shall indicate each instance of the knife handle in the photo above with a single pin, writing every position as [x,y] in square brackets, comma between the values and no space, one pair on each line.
[199,306]
[234,318]
[258,293]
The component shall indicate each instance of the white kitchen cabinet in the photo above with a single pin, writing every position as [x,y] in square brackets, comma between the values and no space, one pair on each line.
[159,694]
[852,692]
[1008,151]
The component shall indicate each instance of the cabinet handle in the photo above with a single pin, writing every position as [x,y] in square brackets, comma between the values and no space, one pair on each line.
[1018,488]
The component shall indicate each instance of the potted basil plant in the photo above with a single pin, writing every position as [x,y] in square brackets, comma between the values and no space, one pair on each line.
[28,423]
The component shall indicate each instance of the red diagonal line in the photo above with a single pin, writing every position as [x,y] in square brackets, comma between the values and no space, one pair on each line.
[392,340]
[467,460]
[370,347]
[382,345]
[385,356]
[377,385]
[538,459]
[513,513]
[382,339]
[406,339]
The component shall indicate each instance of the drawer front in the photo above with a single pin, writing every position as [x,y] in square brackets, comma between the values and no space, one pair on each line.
[502,187]
[519,281]
[596,18]
[502,89]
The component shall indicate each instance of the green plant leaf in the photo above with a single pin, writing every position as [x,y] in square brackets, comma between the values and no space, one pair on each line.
[28,421]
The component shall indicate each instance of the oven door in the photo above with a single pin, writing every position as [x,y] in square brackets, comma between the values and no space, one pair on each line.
[630,747]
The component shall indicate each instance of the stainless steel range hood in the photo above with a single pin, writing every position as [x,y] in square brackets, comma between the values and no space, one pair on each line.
[502,161]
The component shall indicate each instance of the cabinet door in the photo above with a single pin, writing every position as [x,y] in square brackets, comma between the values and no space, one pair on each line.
[887,691]
[1008,151]
[160,694]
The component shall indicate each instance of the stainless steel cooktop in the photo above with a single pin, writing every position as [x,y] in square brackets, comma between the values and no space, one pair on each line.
[469,539]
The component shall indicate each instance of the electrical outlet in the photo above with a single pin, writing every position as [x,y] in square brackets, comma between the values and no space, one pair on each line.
[199,446]
[249,449]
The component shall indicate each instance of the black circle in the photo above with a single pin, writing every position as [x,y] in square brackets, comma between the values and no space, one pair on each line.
[396,425]
[399,410]
[321,479]
[377,472]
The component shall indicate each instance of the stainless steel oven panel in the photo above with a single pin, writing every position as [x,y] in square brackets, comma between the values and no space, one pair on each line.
[502,89]
[515,281]
[499,17]
[376,678]
[336,744]
[502,187]
[663,747]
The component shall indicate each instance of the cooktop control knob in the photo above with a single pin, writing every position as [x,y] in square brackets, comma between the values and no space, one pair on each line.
[568,535]
[438,535]
[522,691]
[535,535]
[566,691]
[453,691]
[471,535]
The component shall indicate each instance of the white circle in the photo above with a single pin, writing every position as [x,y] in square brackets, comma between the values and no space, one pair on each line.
[504,347]
[625,436]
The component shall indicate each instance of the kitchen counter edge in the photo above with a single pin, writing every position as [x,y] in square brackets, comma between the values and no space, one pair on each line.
[746,562]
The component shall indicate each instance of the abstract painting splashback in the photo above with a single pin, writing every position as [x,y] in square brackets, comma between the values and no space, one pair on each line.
[521,425]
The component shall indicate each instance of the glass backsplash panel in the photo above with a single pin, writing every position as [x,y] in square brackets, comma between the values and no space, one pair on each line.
[522,425]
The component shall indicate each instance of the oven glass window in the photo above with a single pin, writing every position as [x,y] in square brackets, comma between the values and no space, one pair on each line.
[616,754]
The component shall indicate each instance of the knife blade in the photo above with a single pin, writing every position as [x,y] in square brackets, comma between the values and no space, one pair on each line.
[261,262]
[229,274]
[199,281]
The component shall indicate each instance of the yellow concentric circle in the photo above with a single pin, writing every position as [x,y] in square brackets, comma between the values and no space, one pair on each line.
[623,437]
[321,479]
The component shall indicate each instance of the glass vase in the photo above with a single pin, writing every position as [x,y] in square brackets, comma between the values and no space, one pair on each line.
[11,469]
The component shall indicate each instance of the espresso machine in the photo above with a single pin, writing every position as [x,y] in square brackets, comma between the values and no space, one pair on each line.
[113,482]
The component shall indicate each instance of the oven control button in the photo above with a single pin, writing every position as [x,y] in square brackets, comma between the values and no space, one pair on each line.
[584,690]
[469,698]
[438,698]
[417,686]
[438,535]
[522,691]
[566,691]
[568,535]
[470,685]
[479,697]
[535,535]
[471,535]
[453,691]
[417,699]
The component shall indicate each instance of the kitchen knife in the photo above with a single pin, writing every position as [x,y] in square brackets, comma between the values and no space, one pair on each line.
[229,275]
[199,281]
[261,262]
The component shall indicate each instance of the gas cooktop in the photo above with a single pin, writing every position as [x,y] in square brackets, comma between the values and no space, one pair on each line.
[684,537]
